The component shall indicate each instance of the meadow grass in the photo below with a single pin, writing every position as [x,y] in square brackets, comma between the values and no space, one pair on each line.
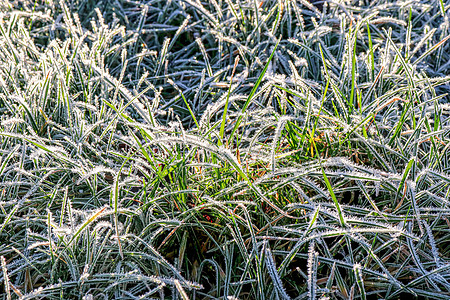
[224,149]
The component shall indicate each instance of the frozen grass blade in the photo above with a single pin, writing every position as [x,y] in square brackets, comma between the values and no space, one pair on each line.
[252,93]
[225,109]
[5,278]
[270,263]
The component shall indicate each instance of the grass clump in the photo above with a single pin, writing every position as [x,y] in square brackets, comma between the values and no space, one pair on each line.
[224,149]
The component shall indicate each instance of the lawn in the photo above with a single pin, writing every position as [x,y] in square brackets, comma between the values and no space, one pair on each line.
[225,149]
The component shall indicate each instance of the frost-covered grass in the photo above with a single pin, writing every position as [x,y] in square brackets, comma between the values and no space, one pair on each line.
[224,149]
